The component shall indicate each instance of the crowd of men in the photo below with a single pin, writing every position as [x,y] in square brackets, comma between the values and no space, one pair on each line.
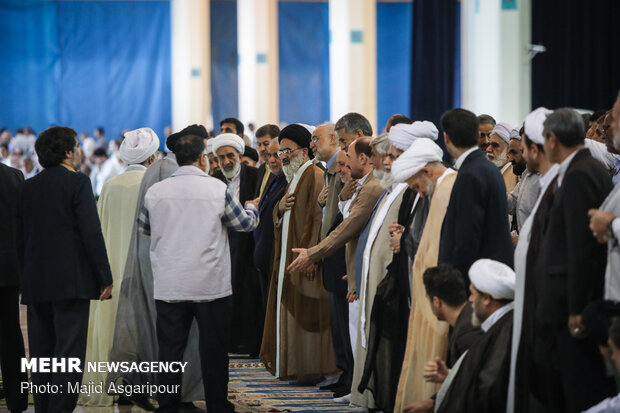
[398,275]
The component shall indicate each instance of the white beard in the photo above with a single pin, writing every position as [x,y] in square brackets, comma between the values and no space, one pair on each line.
[290,169]
[499,160]
[378,174]
[387,180]
[475,320]
[231,174]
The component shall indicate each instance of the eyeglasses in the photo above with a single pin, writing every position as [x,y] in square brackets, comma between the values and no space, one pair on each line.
[287,151]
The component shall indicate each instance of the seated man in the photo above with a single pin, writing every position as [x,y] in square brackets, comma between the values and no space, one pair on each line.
[478,381]
[446,292]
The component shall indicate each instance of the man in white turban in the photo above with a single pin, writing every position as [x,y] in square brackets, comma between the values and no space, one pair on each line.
[421,168]
[117,209]
[497,152]
[478,382]
[242,182]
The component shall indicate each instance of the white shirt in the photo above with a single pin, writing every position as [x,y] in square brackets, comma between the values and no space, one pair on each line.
[234,184]
[464,155]
[494,318]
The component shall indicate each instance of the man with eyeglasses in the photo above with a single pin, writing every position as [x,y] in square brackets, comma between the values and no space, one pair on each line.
[485,127]
[297,343]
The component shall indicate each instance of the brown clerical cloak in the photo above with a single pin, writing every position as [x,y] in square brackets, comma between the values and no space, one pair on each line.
[302,338]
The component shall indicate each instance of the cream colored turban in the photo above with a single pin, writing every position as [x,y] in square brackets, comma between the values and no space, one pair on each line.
[514,133]
[228,139]
[493,278]
[403,134]
[502,130]
[138,146]
[420,153]
[534,125]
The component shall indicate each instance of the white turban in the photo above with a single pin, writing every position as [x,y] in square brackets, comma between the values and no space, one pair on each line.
[514,133]
[534,125]
[420,153]
[209,147]
[493,278]
[309,128]
[228,139]
[502,130]
[138,146]
[403,134]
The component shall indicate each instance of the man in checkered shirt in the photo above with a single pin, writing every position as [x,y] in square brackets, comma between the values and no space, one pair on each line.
[187,216]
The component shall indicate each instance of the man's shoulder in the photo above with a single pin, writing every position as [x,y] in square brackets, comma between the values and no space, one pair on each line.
[11,172]
[249,172]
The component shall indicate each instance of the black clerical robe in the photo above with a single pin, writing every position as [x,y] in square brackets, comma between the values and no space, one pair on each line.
[481,383]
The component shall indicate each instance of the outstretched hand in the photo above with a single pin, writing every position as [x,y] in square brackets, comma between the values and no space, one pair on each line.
[301,263]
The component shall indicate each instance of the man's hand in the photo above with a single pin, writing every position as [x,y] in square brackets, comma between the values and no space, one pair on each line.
[253,202]
[286,203]
[351,296]
[311,273]
[436,371]
[348,190]
[302,262]
[576,327]
[322,200]
[106,292]
[599,222]
[425,406]
[396,232]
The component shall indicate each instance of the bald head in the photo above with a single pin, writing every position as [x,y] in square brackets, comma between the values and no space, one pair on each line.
[324,143]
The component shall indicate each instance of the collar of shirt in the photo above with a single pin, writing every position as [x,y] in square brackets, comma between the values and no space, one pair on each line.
[494,318]
[361,181]
[135,167]
[461,159]
[508,164]
[447,172]
[189,170]
[329,163]
[564,166]
[546,179]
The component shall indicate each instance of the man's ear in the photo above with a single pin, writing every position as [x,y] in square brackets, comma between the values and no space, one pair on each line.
[446,139]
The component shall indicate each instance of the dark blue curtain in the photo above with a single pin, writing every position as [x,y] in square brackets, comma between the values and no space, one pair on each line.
[435,64]
[85,64]
[224,63]
[393,63]
[303,36]
[581,67]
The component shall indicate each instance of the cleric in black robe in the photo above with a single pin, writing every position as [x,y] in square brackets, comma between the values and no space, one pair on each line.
[246,308]
[478,382]
[389,318]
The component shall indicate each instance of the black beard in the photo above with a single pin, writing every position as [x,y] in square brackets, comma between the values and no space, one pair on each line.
[518,168]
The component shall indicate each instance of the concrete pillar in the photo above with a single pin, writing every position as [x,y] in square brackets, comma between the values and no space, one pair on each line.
[353,58]
[191,73]
[495,68]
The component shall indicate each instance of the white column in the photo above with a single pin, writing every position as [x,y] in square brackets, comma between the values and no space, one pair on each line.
[353,58]
[257,39]
[191,73]
[495,69]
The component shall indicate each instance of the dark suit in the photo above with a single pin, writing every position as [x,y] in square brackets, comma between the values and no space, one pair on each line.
[262,169]
[64,265]
[572,275]
[462,336]
[246,303]
[11,340]
[476,222]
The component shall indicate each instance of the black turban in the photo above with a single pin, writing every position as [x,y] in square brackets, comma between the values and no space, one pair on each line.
[251,153]
[298,134]
[197,130]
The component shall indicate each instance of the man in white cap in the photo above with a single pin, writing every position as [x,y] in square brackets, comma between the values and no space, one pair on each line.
[242,181]
[117,210]
[478,382]
[421,168]
[497,152]
[135,335]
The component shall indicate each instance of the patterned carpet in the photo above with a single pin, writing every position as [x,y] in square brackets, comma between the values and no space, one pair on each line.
[253,389]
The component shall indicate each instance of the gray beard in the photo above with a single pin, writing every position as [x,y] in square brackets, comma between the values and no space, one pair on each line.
[387,180]
[475,320]
[378,174]
[290,169]
[499,160]
[231,174]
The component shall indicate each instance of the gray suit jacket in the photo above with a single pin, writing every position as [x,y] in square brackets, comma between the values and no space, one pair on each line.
[331,206]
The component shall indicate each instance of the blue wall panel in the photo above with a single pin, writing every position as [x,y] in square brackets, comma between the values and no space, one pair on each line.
[393,60]
[303,35]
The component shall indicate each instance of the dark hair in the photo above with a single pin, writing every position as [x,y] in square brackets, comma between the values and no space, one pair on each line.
[614,332]
[100,152]
[352,122]
[362,145]
[529,142]
[596,115]
[522,130]
[567,125]
[461,126]
[399,118]
[486,119]
[238,125]
[53,144]
[269,129]
[100,129]
[585,117]
[188,149]
[445,282]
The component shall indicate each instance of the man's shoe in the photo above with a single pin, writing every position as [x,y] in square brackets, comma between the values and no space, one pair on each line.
[331,386]
[331,379]
[342,398]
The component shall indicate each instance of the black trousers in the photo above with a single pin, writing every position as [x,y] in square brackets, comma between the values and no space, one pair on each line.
[12,349]
[57,329]
[173,324]
[339,323]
